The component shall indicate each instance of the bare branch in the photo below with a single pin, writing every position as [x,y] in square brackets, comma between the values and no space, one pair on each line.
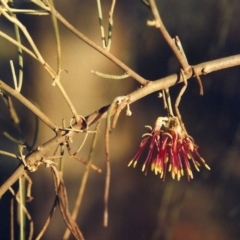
[159,24]
[103,51]
[153,86]
[28,104]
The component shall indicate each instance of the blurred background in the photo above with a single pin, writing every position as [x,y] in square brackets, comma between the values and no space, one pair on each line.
[143,208]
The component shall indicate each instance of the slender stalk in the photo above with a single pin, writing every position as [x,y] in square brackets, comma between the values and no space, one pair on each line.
[168,101]
[8,154]
[54,75]
[14,75]
[104,43]
[159,24]
[12,179]
[103,51]
[107,163]
[25,32]
[110,25]
[25,211]
[28,104]
[115,77]
[178,99]
[47,222]
[4,35]
[22,219]
[84,182]
[12,219]
[20,57]
[57,36]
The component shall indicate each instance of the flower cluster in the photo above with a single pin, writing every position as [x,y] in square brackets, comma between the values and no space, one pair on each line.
[170,148]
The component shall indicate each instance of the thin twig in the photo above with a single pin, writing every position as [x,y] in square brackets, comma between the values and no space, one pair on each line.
[113,109]
[20,56]
[14,75]
[57,37]
[11,109]
[92,166]
[180,47]
[67,99]
[82,144]
[29,187]
[199,81]
[63,205]
[22,219]
[12,218]
[163,94]
[29,12]
[8,154]
[168,101]
[104,43]
[104,52]
[41,4]
[58,74]
[25,32]
[179,99]
[28,104]
[84,182]
[54,75]
[45,225]
[121,104]
[159,24]
[104,75]
[110,25]
[107,163]
[4,35]
[31,225]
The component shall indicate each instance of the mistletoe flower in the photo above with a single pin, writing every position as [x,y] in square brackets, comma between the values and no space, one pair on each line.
[170,148]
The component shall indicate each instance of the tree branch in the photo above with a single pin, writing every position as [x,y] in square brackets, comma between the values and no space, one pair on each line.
[152,86]
[159,24]
[103,51]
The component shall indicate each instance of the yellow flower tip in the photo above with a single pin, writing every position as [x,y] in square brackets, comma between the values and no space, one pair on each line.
[182,172]
[190,173]
[196,167]
[146,134]
[175,170]
[191,146]
[153,166]
[207,167]
[149,127]
[170,167]
[155,170]
[130,163]
[179,175]
[134,164]
[143,167]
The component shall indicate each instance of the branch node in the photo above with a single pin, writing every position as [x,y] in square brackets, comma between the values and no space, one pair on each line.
[153,23]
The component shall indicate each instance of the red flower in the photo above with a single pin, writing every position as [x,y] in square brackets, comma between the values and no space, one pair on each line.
[170,148]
